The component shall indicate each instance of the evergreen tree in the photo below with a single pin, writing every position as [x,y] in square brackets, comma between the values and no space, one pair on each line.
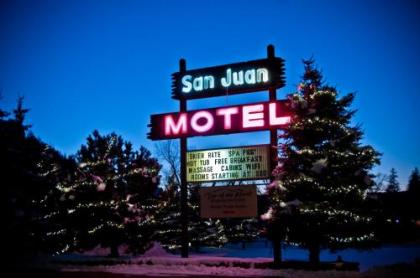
[142,200]
[414,182]
[56,234]
[393,184]
[324,170]
[413,189]
[168,229]
[3,114]
[277,217]
[20,112]
[240,230]
[111,200]
[29,169]
[202,232]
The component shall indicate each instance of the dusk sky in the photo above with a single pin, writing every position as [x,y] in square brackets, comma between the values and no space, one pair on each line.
[106,65]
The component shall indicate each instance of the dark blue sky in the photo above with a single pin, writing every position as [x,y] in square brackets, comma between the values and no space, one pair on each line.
[106,65]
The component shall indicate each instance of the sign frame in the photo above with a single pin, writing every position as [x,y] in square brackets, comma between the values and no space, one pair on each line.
[268,163]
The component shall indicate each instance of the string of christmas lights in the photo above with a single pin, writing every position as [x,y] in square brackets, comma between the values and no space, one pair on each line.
[365,237]
[320,93]
[336,212]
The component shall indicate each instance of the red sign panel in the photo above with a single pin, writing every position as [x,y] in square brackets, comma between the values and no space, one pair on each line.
[221,120]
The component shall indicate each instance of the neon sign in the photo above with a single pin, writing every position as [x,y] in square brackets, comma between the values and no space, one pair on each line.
[221,120]
[257,75]
[200,83]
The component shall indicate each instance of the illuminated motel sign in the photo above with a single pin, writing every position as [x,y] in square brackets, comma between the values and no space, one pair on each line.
[221,120]
[251,76]
[237,163]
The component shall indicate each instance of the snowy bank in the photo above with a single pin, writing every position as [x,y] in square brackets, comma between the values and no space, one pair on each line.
[157,262]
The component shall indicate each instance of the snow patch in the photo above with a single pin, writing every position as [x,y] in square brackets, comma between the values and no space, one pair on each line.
[197,270]
[157,251]
[268,215]
[99,251]
[319,165]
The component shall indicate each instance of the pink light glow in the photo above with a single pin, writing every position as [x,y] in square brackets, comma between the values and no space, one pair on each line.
[202,127]
[274,120]
[253,115]
[227,115]
[172,128]
[221,120]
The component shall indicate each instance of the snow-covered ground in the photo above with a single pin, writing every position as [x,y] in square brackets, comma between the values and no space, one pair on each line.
[206,271]
[157,262]
[233,260]
[386,255]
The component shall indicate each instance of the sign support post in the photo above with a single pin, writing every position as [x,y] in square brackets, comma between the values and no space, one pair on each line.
[184,189]
[273,154]
[272,97]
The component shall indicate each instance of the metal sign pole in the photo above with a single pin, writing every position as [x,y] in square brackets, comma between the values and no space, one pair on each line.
[184,189]
[273,154]
[272,97]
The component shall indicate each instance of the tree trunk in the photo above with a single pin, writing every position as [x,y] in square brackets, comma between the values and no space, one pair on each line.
[314,251]
[277,252]
[114,251]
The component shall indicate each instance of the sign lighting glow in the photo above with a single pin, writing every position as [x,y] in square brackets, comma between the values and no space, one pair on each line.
[251,76]
[222,120]
[239,163]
